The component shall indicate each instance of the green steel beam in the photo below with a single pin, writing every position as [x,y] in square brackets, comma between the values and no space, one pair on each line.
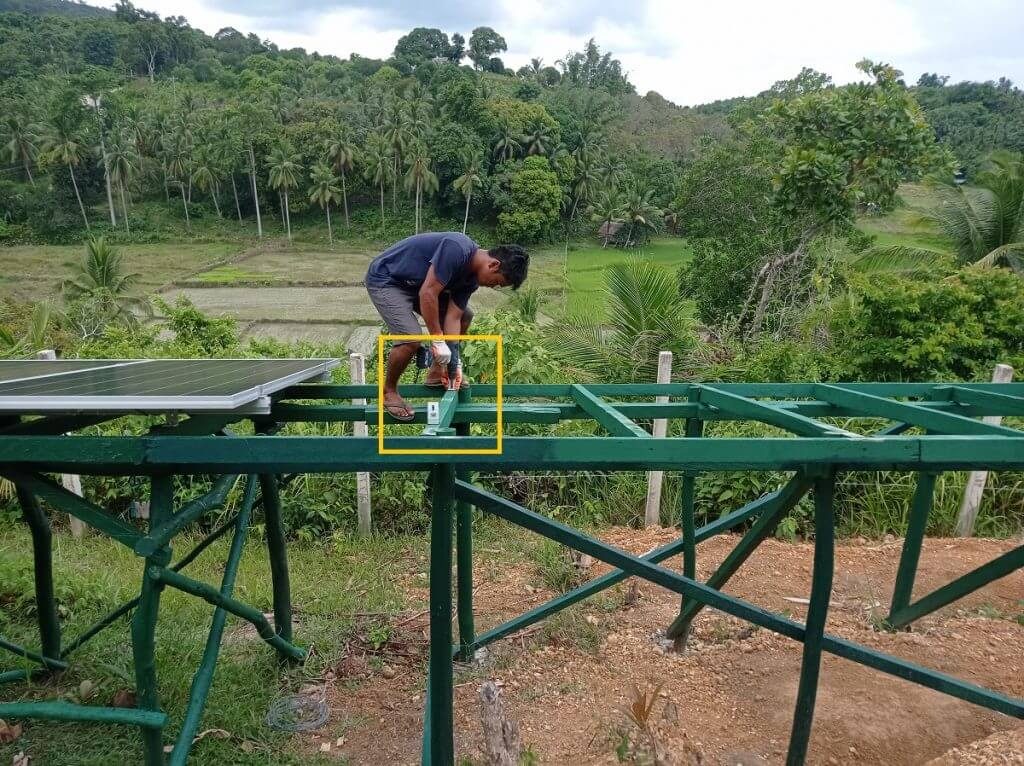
[720,526]
[42,565]
[316,454]
[1000,566]
[906,573]
[923,417]
[70,503]
[197,425]
[764,526]
[464,552]
[737,607]
[214,597]
[52,662]
[610,419]
[162,535]
[270,489]
[54,425]
[765,413]
[1001,404]
[65,711]
[203,678]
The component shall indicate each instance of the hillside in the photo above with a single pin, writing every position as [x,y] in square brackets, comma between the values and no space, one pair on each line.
[54,7]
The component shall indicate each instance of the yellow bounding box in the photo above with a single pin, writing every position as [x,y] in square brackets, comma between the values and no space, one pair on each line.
[382,340]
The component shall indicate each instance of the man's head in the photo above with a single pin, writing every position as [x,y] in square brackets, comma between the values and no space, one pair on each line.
[503,266]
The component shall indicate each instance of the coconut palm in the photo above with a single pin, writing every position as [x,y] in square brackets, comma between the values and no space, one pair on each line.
[284,176]
[984,222]
[645,314]
[640,212]
[101,276]
[63,145]
[586,182]
[507,145]
[178,166]
[420,179]
[22,140]
[468,182]
[123,162]
[379,169]
[398,136]
[538,139]
[324,191]
[342,156]
[606,209]
[206,174]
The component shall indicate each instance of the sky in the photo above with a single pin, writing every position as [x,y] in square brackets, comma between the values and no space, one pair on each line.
[689,52]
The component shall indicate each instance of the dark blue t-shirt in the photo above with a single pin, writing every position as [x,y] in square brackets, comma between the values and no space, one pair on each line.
[405,264]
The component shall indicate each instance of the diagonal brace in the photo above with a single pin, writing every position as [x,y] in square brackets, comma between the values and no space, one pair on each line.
[766,413]
[163,534]
[607,416]
[762,528]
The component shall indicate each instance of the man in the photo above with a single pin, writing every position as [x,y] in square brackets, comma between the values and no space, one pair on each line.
[433,275]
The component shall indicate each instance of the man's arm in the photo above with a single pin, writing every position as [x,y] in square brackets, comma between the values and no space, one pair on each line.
[429,293]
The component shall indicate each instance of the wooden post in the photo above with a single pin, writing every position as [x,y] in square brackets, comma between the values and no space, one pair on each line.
[652,511]
[977,479]
[357,370]
[72,482]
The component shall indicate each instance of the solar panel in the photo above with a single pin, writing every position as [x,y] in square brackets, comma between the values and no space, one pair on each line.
[150,385]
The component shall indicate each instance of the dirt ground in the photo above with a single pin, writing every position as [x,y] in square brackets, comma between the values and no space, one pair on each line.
[730,696]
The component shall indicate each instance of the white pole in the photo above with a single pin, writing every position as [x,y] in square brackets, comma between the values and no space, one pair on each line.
[72,482]
[357,370]
[652,511]
[977,479]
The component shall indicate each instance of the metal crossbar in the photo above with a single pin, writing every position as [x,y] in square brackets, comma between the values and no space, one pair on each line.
[814,451]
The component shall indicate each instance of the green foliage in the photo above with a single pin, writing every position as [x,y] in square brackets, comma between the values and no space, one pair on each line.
[956,328]
[718,278]
[533,205]
[526,357]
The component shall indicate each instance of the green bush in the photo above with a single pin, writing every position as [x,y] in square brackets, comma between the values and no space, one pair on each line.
[955,328]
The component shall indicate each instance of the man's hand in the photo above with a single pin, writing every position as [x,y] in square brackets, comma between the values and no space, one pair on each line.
[442,354]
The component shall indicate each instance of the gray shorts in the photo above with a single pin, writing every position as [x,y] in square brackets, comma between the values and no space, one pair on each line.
[398,308]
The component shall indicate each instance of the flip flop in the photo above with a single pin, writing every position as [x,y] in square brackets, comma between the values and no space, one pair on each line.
[394,410]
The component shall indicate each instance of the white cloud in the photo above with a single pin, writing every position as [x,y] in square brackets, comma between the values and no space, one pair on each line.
[690,52]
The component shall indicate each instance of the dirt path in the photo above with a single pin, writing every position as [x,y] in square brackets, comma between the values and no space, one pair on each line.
[730,697]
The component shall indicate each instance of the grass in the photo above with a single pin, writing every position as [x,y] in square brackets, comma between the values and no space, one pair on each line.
[905,224]
[581,270]
[96,574]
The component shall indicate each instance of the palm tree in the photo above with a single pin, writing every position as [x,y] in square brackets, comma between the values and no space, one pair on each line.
[984,222]
[342,156]
[644,313]
[121,159]
[379,169]
[398,137]
[640,212]
[323,191]
[284,176]
[420,178]
[178,166]
[206,175]
[64,146]
[468,182]
[22,136]
[606,209]
[586,181]
[100,276]
[507,145]
[538,139]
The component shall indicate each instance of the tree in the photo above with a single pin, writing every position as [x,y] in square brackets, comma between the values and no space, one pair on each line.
[379,169]
[99,290]
[342,155]
[149,39]
[984,222]
[644,314]
[284,176]
[22,137]
[484,42]
[507,145]
[178,165]
[122,162]
[590,68]
[538,139]
[206,174]
[323,191]
[421,45]
[468,182]
[63,145]
[531,206]
[457,50]
[640,213]
[606,209]
[420,178]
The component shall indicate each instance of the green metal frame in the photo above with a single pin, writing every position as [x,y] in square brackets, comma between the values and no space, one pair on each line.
[815,453]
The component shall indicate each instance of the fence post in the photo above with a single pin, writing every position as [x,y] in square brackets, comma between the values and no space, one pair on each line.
[977,479]
[357,370]
[652,511]
[72,482]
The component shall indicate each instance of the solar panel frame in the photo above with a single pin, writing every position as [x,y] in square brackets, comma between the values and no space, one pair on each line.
[35,393]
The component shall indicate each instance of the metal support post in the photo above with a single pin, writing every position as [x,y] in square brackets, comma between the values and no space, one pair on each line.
[920,508]
[464,553]
[441,747]
[278,557]
[42,552]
